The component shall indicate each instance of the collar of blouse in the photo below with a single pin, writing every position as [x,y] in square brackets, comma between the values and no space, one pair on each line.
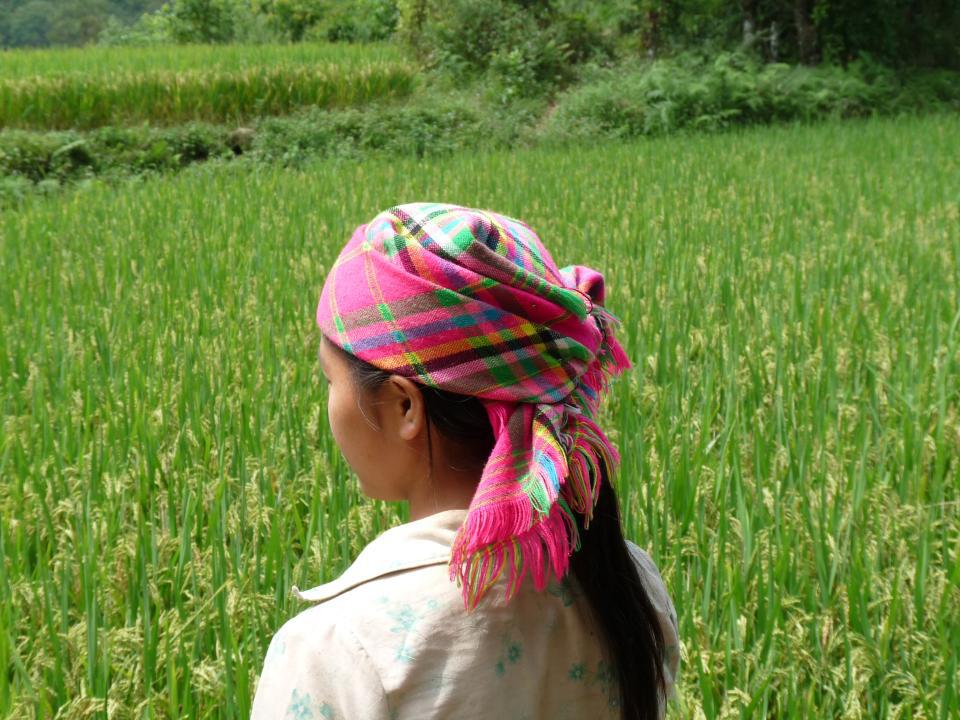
[426,541]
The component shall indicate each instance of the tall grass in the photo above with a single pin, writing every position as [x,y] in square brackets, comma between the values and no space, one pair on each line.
[24,63]
[164,86]
[790,432]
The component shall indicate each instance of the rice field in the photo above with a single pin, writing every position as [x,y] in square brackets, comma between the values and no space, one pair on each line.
[103,61]
[790,432]
[83,88]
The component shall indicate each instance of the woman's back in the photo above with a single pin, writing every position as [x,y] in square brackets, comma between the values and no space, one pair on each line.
[390,639]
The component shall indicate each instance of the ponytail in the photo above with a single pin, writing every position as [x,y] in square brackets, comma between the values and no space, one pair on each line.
[628,622]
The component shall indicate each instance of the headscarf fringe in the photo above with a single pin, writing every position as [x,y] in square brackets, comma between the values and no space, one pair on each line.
[591,448]
[611,360]
[567,480]
[545,546]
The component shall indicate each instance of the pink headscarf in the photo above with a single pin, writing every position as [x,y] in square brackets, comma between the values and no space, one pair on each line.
[471,302]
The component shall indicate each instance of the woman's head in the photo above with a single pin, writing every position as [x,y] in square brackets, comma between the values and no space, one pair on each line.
[470,302]
[452,340]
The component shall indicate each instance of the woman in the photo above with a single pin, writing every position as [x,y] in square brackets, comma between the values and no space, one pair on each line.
[465,371]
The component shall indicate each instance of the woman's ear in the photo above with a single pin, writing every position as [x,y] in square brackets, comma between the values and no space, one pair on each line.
[402,408]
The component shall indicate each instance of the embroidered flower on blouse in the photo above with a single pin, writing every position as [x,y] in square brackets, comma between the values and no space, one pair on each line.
[299,707]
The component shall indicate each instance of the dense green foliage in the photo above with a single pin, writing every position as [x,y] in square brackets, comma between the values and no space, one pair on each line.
[527,47]
[64,22]
[691,92]
[530,34]
[790,432]
[683,93]
[77,22]
[57,157]
[538,39]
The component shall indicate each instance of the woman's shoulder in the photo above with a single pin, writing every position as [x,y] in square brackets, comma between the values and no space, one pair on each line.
[378,596]
[419,597]
[651,578]
[662,602]
[316,666]
[353,643]
[382,617]
[408,634]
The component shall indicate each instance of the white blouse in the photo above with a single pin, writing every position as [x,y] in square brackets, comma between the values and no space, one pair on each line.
[390,639]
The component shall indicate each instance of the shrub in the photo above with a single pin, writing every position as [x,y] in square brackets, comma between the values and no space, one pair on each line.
[356,21]
[734,89]
[412,130]
[528,48]
[69,156]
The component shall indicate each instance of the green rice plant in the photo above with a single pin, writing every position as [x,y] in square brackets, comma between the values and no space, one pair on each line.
[790,431]
[105,62]
[157,87]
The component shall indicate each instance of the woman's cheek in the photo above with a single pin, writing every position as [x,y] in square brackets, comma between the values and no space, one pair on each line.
[341,414]
[335,417]
[360,446]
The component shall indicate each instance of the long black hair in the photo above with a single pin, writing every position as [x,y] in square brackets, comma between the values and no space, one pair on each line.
[603,566]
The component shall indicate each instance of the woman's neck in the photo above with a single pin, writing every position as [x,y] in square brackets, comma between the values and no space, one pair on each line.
[445,488]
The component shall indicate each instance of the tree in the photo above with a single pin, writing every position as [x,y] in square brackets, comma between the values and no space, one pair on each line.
[203,21]
[29,24]
[895,32]
[291,18]
[748,9]
[78,22]
[414,16]
[806,31]
[129,11]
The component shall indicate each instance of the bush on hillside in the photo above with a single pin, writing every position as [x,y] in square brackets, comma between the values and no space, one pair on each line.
[356,21]
[69,155]
[527,48]
[732,89]
[408,131]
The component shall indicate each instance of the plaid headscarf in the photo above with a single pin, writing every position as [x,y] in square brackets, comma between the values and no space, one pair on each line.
[471,302]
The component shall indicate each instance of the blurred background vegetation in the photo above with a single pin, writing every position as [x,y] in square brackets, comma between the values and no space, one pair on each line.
[540,36]
[128,87]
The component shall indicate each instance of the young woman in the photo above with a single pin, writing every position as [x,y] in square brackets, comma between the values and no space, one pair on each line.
[465,370]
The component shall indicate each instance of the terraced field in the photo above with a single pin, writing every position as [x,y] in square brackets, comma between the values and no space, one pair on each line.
[85,88]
